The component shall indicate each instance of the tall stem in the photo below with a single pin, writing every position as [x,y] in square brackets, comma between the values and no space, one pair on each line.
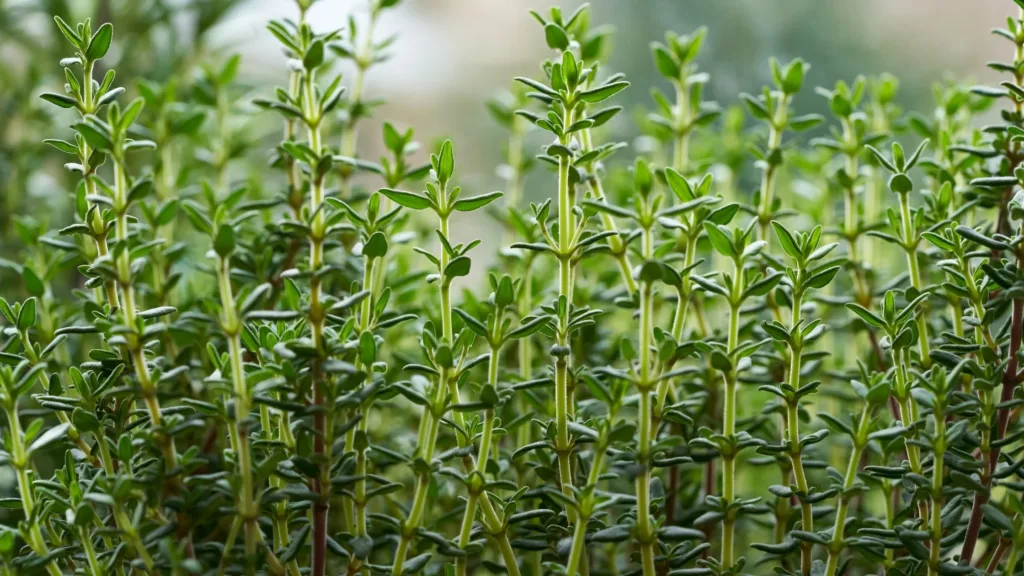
[939,443]
[350,132]
[767,190]
[562,400]
[481,464]
[317,314]
[645,530]
[125,280]
[19,459]
[231,324]
[910,242]
[618,247]
[795,450]
[859,441]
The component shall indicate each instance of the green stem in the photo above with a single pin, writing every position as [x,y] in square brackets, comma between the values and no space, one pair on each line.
[580,531]
[562,400]
[907,406]
[19,459]
[939,444]
[767,190]
[231,324]
[1011,561]
[795,450]
[910,244]
[645,530]
[124,278]
[95,566]
[618,247]
[729,420]
[350,131]
[425,449]
[729,471]
[859,441]
[482,456]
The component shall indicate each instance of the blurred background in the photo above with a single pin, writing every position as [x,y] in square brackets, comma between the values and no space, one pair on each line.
[450,56]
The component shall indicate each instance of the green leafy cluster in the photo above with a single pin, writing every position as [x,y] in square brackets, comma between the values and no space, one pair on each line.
[300,366]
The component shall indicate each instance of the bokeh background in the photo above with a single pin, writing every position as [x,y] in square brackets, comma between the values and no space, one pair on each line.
[449,56]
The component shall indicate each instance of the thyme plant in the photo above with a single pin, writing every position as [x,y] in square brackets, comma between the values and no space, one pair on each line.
[239,354]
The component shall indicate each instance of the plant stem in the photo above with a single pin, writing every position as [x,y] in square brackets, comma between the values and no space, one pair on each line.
[681,143]
[729,470]
[645,530]
[729,422]
[317,314]
[350,131]
[910,244]
[795,450]
[767,190]
[231,324]
[482,456]
[89,101]
[580,531]
[20,462]
[939,443]
[859,441]
[565,229]
[618,247]
[124,278]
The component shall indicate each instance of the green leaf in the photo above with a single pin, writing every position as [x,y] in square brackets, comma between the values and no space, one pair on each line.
[664,62]
[603,92]
[787,241]
[68,32]
[720,240]
[100,42]
[407,199]
[476,202]
[84,420]
[530,327]
[867,315]
[93,136]
[900,183]
[556,37]
[33,285]
[224,242]
[445,162]
[55,434]
[458,267]
[650,272]
[725,214]
[314,55]
[679,185]
[62,100]
[367,349]
[822,278]
[939,242]
[794,77]
[979,238]
[157,312]
[805,122]
[27,315]
[61,145]
[376,246]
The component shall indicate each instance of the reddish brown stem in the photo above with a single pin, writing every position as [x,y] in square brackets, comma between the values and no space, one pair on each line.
[997,557]
[1010,380]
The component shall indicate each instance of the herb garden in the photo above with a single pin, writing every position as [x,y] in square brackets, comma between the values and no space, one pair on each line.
[679,362]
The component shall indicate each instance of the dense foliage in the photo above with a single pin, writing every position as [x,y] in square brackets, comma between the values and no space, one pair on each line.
[303,371]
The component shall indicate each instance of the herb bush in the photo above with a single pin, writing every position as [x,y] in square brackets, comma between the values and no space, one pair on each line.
[201,375]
